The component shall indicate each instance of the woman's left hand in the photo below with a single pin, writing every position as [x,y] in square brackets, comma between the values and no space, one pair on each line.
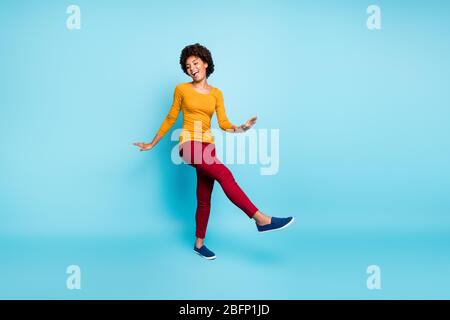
[244,127]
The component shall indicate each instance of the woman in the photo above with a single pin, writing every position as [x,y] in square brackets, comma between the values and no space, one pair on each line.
[199,100]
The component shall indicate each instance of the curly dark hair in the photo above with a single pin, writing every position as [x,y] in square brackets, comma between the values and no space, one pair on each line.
[199,51]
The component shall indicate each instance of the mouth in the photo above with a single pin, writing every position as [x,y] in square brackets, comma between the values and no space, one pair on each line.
[195,74]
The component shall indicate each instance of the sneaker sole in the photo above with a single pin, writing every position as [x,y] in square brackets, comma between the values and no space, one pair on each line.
[285,226]
[207,258]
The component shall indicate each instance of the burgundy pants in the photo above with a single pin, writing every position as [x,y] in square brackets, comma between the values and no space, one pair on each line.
[202,156]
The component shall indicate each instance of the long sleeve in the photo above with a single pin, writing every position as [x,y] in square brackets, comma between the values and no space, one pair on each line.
[174,111]
[222,118]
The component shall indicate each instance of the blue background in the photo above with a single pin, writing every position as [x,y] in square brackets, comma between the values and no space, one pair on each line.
[364,150]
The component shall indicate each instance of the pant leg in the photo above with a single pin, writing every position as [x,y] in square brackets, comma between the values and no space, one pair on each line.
[219,172]
[212,167]
[205,186]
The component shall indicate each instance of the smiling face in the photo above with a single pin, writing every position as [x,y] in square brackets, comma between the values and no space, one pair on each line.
[196,68]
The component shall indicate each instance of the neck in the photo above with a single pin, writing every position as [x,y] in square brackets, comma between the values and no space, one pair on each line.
[200,84]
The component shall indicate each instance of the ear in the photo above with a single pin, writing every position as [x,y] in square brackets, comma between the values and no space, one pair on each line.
[206,65]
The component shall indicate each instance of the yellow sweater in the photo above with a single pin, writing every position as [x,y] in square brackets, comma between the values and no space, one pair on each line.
[198,109]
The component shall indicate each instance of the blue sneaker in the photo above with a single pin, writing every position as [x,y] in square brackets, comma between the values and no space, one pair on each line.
[205,252]
[276,224]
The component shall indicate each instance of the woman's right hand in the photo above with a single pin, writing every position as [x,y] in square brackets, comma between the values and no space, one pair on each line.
[144,146]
